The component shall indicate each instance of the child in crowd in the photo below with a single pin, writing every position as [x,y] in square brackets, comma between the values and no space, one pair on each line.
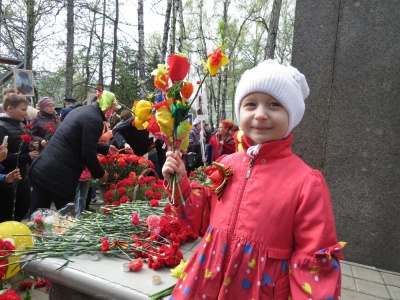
[271,233]
[19,154]
[14,175]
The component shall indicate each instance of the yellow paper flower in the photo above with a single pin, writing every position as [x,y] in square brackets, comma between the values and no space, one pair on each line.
[216,61]
[143,113]
[178,270]
[165,121]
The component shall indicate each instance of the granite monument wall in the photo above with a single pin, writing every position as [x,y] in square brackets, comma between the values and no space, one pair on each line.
[350,54]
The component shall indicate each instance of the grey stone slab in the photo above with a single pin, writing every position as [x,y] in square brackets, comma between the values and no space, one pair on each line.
[391,279]
[394,292]
[352,295]
[348,51]
[348,283]
[367,274]
[372,288]
[346,269]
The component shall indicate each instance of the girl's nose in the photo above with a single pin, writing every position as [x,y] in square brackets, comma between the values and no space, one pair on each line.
[260,113]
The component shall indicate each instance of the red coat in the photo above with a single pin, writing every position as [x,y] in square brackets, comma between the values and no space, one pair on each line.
[271,236]
[227,146]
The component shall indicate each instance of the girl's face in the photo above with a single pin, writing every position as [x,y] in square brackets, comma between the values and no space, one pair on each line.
[262,118]
[19,113]
[49,108]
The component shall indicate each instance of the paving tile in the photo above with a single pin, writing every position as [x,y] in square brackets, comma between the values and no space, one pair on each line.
[348,283]
[372,288]
[346,269]
[394,292]
[367,274]
[353,295]
[391,279]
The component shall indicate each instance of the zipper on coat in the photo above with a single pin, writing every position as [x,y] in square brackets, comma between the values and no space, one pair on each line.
[235,215]
[250,168]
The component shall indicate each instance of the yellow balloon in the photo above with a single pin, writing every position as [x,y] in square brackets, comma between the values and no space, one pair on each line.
[7,232]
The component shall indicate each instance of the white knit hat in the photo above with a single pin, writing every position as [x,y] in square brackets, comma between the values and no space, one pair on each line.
[285,83]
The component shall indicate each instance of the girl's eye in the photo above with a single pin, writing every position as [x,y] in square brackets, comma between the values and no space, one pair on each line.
[248,104]
[275,104]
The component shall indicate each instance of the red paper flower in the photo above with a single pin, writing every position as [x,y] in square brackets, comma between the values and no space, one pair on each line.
[136,264]
[215,175]
[178,67]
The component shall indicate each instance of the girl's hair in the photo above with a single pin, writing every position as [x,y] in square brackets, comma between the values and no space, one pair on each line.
[125,114]
[227,123]
[14,100]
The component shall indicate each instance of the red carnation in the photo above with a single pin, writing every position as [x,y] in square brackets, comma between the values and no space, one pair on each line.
[10,295]
[104,245]
[26,138]
[25,285]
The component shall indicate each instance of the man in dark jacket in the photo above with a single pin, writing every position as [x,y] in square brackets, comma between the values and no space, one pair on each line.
[140,143]
[55,173]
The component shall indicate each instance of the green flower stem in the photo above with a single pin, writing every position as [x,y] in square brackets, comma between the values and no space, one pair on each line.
[163,293]
[197,92]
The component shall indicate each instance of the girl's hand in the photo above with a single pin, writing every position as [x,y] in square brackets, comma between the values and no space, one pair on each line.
[174,165]
[33,146]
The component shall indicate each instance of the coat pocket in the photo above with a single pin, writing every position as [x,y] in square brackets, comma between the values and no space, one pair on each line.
[282,289]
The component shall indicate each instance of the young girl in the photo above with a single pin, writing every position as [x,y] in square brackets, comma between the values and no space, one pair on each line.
[271,235]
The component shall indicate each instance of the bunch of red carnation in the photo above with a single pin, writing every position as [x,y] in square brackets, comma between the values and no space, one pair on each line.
[5,248]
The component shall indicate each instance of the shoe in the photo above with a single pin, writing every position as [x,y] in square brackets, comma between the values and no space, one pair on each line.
[96,201]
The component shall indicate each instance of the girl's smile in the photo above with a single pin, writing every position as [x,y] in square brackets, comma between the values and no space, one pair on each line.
[262,118]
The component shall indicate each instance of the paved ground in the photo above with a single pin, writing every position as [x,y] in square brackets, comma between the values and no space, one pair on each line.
[359,282]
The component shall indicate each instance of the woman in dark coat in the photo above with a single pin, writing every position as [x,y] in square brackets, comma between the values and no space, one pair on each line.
[55,173]
[46,122]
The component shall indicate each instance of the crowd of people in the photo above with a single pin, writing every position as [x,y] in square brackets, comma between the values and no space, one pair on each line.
[267,222]
[65,141]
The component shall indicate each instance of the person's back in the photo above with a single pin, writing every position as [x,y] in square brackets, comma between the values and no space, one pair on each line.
[72,147]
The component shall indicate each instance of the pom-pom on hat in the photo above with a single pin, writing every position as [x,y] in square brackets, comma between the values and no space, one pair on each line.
[45,101]
[285,83]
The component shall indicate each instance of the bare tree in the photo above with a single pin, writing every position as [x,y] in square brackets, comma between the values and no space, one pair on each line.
[115,45]
[141,52]
[167,23]
[273,29]
[69,67]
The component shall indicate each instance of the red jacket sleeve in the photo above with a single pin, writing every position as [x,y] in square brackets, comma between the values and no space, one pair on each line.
[314,267]
[194,212]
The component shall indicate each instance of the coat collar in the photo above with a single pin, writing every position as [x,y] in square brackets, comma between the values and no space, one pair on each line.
[96,104]
[280,148]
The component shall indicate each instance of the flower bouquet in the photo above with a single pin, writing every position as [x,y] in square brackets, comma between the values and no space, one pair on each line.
[137,188]
[166,118]
[120,165]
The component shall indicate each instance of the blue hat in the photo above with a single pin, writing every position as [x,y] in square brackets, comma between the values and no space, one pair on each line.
[69,100]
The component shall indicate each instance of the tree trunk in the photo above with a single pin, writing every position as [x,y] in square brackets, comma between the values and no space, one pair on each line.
[273,29]
[173,27]
[224,74]
[141,52]
[101,58]
[166,30]
[182,31]
[69,68]
[30,35]
[88,51]
[115,46]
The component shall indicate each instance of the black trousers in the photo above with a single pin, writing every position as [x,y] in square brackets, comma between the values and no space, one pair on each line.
[42,198]
[23,197]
